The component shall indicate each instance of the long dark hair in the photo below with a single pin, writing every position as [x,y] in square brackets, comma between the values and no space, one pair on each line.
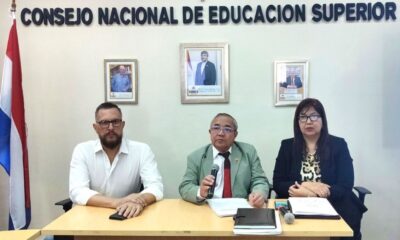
[299,143]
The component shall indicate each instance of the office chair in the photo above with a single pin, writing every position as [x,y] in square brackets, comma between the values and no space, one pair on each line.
[362,192]
[66,204]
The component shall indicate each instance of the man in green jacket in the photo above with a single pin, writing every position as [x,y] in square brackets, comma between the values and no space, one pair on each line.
[240,174]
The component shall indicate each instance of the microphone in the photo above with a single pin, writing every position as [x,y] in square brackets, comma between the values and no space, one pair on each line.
[287,215]
[214,171]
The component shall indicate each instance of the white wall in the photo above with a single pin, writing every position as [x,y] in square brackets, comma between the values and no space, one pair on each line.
[353,71]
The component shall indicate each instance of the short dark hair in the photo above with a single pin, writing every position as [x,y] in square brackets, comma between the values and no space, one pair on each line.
[204,52]
[298,136]
[235,125]
[107,105]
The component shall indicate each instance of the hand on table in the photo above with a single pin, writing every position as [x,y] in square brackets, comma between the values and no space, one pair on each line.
[130,209]
[256,200]
[297,190]
[320,189]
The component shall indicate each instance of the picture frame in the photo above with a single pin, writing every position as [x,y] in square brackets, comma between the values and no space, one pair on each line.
[121,80]
[204,72]
[290,82]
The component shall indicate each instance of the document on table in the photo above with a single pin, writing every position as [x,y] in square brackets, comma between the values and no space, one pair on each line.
[312,207]
[225,207]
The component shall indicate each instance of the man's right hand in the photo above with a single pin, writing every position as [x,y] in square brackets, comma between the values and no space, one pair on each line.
[205,184]
[130,209]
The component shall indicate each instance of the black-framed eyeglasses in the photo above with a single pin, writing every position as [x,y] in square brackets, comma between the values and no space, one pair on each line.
[218,129]
[312,117]
[106,123]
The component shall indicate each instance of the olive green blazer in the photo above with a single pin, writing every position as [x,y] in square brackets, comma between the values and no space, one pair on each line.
[247,175]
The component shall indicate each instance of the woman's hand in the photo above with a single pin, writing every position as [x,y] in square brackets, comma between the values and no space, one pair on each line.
[297,190]
[320,189]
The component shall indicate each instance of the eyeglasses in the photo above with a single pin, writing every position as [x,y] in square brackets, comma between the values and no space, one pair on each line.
[218,129]
[106,123]
[313,118]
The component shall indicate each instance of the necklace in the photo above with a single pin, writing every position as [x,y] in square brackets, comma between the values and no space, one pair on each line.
[313,152]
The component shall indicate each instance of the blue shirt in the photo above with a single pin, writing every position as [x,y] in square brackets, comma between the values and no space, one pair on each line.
[120,83]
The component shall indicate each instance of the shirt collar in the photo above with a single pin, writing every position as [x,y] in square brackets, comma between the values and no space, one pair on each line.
[215,151]
[122,149]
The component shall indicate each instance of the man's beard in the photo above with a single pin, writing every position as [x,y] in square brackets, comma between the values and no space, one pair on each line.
[111,144]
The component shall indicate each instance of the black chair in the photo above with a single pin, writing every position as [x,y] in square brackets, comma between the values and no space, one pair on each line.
[66,204]
[362,192]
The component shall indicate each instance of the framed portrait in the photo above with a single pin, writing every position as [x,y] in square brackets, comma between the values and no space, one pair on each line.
[121,80]
[290,82]
[204,72]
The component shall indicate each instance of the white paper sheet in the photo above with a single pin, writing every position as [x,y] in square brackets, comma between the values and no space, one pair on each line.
[225,207]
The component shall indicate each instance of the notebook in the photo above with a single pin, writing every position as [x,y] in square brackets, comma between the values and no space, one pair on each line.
[255,218]
[312,207]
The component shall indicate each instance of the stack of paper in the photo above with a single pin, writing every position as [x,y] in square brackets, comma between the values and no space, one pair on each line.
[312,207]
[225,207]
[257,221]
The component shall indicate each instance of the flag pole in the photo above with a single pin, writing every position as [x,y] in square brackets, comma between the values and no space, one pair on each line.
[13,142]
[13,8]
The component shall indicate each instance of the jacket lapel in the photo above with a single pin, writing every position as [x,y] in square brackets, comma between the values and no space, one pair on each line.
[235,159]
[208,161]
[297,164]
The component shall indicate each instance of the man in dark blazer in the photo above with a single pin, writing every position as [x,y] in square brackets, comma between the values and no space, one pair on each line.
[205,71]
[247,178]
[292,81]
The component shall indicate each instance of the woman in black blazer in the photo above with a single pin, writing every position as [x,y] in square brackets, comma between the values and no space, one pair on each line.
[316,164]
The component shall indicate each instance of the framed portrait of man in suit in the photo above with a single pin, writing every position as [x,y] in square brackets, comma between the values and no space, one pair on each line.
[121,80]
[204,73]
[290,82]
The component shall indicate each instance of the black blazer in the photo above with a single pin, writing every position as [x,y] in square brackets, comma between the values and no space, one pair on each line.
[336,170]
[210,74]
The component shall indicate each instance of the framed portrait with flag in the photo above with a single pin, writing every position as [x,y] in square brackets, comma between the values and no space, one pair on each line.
[204,72]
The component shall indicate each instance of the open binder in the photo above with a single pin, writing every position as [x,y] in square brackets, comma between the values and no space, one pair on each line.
[312,207]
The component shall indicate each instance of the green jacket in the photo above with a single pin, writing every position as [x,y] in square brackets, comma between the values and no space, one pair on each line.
[247,175]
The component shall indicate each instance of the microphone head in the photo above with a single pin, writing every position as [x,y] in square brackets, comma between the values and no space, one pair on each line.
[215,167]
[289,218]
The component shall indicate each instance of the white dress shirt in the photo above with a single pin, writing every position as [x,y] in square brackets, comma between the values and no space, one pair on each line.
[203,65]
[91,172]
[219,181]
